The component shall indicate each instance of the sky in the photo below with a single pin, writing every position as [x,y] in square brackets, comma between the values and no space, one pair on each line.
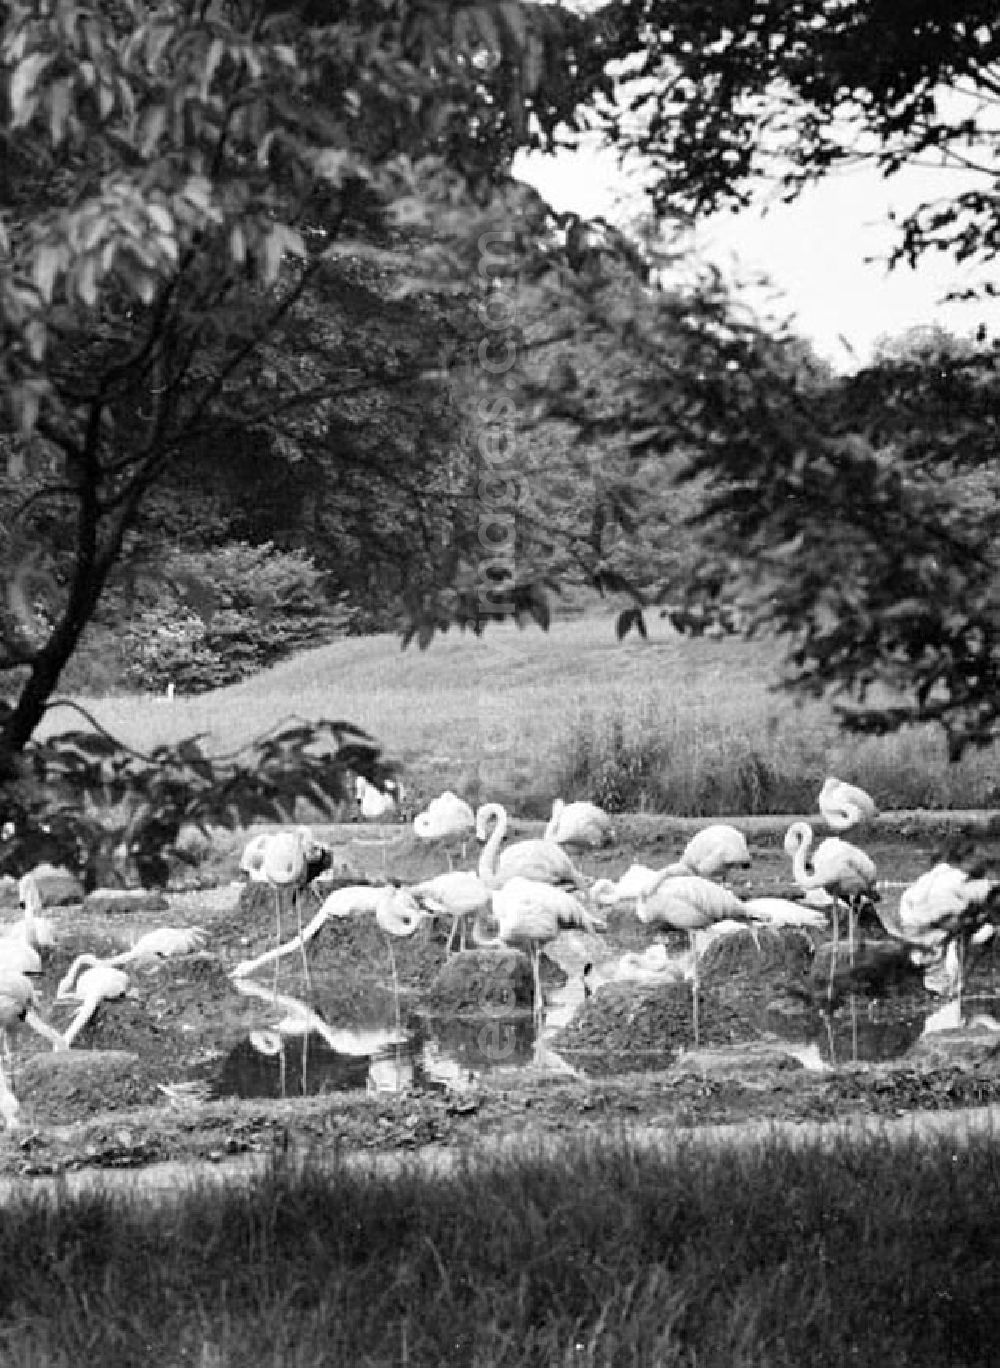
[814,250]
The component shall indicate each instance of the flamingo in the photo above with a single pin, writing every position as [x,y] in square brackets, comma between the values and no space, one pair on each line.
[36,930]
[785,912]
[839,868]
[690,903]
[845,805]
[533,912]
[540,860]
[459,894]
[579,824]
[162,943]
[376,803]
[636,879]
[712,852]
[17,1007]
[342,902]
[98,982]
[939,916]
[446,818]
[286,860]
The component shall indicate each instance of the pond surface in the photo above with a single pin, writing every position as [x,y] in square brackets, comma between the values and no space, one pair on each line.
[290,1059]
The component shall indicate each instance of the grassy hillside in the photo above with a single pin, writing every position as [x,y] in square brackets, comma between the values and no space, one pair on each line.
[689,726]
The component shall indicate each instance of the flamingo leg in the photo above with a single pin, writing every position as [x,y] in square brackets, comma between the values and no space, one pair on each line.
[833,951]
[854,1029]
[451,939]
[539,999]
[694,988]
[302,943]
[850,932]
[277,912]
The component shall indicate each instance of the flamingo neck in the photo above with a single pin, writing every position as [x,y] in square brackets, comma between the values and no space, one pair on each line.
[490,859]
[800,861]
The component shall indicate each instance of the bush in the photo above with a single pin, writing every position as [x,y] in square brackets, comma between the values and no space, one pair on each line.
[224,615]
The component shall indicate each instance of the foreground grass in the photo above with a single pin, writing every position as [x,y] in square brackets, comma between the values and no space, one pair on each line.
[597,1256]
[693,727]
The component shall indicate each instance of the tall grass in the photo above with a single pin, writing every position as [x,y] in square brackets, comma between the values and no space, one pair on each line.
[692,727]
[596,1255]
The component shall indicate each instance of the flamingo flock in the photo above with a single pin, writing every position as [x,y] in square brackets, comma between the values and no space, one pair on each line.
[525,894]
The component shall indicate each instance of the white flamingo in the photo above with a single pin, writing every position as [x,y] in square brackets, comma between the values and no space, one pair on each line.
[446,818]
[939,916]
[785,912]
[98,982]
[162,943]
[634,882]
[836,866]
[844,805]
[342,902]
[526,911]
[376,803]
[712,852]
[285,860]
[36,930]
[581,825]
[538,859]
[17,1007]
[18,957]
[459,894]
[690,903]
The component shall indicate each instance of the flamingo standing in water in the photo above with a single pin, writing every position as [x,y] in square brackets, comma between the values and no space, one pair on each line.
[540,860]
[459,894]
[837,867]
[286,860]
[690,903]
[526,911]
[844,805]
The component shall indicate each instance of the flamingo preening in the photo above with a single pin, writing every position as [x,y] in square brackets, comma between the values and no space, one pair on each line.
[631,885]
[712,852]
[580,824]
[839,868]
[939,916]
[844,805]
[376,803]
[540,860]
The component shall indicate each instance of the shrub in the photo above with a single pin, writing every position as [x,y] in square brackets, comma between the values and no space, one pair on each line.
[225,614]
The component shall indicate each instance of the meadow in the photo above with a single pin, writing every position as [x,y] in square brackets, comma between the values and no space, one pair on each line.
[597,1255]
[694,727]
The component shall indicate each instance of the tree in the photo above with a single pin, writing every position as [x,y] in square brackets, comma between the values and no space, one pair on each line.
[856,517]
[177,178]
[184,189]
[724,98]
